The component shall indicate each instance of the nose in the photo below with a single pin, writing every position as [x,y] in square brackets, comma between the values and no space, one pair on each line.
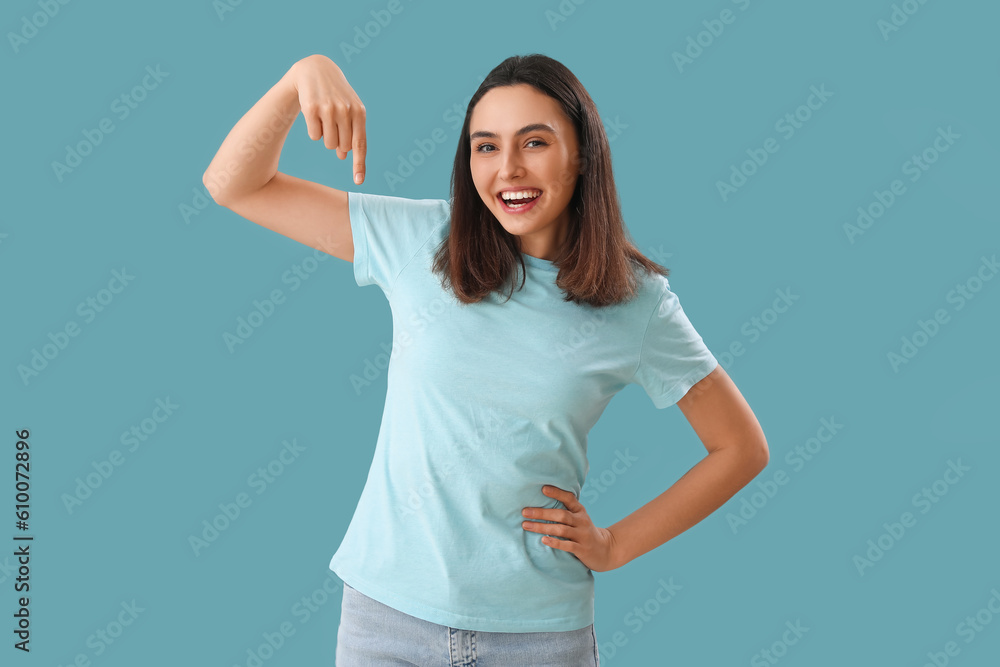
[510,166]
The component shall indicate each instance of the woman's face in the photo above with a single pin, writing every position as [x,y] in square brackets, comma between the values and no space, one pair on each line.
[522,141]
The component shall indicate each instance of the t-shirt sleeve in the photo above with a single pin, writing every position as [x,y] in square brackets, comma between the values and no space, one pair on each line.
[673,357]
[387,232]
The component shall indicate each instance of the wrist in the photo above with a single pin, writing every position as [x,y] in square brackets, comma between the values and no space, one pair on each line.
[617,558]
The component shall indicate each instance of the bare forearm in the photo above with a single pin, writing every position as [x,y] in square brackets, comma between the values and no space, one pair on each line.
[703,489]
[248,157]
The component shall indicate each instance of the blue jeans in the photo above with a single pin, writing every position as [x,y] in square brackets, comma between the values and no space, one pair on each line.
[373,634]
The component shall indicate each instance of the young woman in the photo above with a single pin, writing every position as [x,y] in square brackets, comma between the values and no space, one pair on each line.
[520,308]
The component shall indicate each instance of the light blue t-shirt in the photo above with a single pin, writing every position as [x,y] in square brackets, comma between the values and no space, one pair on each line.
[485,404]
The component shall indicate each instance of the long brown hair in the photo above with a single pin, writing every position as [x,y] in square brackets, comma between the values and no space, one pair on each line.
[597,264]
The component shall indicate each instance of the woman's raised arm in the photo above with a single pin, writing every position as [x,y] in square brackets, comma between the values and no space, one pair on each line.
[243,176]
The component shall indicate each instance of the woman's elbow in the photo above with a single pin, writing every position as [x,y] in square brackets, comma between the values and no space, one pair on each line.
[762,455]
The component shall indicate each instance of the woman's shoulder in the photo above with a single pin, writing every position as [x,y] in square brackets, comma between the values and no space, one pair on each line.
[651,284]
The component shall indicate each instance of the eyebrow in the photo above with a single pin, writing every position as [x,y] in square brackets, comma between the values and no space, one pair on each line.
[534,127]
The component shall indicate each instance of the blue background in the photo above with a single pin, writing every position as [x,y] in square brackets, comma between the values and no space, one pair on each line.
[676,131]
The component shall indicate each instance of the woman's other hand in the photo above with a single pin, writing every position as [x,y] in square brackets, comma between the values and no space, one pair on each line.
[593,546]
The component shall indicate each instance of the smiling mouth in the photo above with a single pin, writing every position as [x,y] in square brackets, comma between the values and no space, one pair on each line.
[519,202]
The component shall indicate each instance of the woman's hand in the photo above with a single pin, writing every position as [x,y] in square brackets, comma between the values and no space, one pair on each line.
[593,546]
[331,108]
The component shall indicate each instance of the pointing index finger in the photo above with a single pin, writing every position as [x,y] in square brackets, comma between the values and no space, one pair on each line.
[360,145]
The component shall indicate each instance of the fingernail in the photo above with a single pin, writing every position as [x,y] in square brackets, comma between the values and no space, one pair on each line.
[357,178]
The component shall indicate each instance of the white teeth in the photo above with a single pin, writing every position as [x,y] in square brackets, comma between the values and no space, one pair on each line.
[523,194]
